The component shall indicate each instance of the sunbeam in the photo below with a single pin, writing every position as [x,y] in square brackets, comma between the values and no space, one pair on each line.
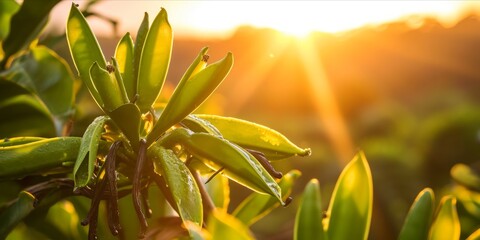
[326,106]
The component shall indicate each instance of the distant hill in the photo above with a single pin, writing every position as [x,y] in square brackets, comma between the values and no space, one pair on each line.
[389,62]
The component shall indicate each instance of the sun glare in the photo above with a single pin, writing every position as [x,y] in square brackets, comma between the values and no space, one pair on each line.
[220,18]
[299,18]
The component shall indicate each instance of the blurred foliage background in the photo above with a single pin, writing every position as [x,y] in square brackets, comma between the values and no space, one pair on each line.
[409,97]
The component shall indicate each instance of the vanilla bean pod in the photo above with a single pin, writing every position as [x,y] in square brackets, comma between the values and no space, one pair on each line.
[112,201]
[93,222]
[136,187]
[265,163]
[97,195]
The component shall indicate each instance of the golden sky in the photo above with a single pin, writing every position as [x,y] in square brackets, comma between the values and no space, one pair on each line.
[220,18]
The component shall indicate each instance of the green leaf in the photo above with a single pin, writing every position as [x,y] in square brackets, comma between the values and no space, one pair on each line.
[26,25]
[223,226]
[240,166]
[23,115]
[83,169]
[446,225]
[219,191]
[37,157]
[7,9]
[466,176]
[475,235]
[256,206]
[419,217]
[7,142]
[190,94]
[44,73]
[154,61]
[124,56]
[127,118]
[16,212]
[84,49]
[308,222]
[351,203]
[180,182]
[255,136]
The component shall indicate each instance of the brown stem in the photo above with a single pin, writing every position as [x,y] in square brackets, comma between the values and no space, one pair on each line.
[214,174]
[207,202]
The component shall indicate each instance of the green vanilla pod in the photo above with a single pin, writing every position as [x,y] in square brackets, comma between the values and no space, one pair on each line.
[84,49]
[447,224]
[419,217]
[124,56]
[154,61]
[256,206]
[190,94]
[119,80]
[255,136]
[237,164]
[107,87]
[351,202]
[309,219]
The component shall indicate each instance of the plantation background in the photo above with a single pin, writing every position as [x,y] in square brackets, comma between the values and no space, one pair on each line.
[407,96]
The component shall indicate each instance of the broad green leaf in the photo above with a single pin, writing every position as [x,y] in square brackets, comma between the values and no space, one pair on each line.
[197,124]
[190,94]
[23,115]
[124,56]
[38,157]
[154,61]
[127,118]
[419,217]
[240,166]
[44,73]
[446,225]
[26,25]
[223,226]
[255,136]
[308,222]
[84,166]
[351,203]
[7,9]
[466,176]
[219,190]
[84,49]
[180,181]
[16,212]
[256,206]
[475,235]
[138,47]
[107,87]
